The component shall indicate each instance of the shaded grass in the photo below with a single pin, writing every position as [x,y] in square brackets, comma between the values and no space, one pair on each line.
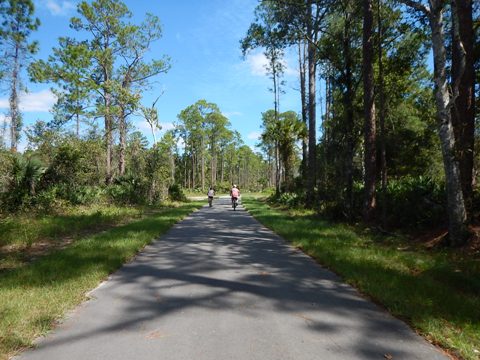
[24,230]
[438,293]
[35,296]
[24,237]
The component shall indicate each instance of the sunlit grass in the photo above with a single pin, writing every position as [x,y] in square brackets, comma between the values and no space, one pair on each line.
[24,230]
[33,297]
[438,293]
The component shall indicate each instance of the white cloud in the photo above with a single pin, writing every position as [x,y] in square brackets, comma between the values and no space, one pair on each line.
[4,118]
[167,126]
[254,135]
[41,101]
[59,8]
[144,126]
[232,113]
[257,63]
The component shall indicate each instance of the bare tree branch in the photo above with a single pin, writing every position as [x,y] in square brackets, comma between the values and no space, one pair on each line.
[417,6]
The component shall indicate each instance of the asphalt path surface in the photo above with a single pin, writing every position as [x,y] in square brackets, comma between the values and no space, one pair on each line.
[221,286]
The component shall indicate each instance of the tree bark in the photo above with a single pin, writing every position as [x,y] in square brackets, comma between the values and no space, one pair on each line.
[123,142]
[369,114]
[349,121]
[382,105]
[457,216]
[15,121]
[463,79]
[303,97]
[312,136]
[203,163]
[108,138]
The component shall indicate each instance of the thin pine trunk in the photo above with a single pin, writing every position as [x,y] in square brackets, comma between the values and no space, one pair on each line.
[349,122]
[312,137]
[303,97]
[123,142]
[15,121]
[382,105]
[369,114]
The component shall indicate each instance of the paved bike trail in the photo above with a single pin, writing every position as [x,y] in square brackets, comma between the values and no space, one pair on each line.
[220,286]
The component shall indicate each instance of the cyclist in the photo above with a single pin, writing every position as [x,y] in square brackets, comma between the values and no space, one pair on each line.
[210,194]
[234,193]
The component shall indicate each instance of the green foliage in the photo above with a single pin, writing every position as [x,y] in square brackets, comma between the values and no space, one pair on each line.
[175,193]
[127,189]
[24,175]
[415,202]
[290,199]
[223,187]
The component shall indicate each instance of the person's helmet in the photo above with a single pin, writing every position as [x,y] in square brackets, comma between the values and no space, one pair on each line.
[234,185]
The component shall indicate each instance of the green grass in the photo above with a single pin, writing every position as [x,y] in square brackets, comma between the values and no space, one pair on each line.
[25,230]
[33,297]
[26,236]
[436,292]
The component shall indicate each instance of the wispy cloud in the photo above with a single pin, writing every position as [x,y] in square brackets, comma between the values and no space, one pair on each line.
[59,8]
[4,118]
[144,126]
[167,126]
[254,135]
[258,63]
[232,113]
[41,101]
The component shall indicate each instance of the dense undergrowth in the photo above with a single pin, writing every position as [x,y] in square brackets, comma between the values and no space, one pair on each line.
[409,203]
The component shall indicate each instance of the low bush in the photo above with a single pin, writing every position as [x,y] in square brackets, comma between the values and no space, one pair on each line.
[414,202]
[175,193]
[127,189]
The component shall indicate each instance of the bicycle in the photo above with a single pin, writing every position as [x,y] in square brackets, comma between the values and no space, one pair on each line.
[234,203]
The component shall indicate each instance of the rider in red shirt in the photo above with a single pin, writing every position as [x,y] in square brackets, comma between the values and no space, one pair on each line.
[234,193]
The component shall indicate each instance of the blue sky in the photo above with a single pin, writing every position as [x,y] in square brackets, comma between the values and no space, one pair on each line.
[202,39]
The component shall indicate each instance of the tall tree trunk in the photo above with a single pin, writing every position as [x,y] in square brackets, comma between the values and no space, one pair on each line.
[303,97]
[349,121]
[108,138]
[193,169]
[369,113]
[276,110]
[463,79]
[222,167]
[123,142]
[203,164]
[382,105]
[185,173]
[312,135]
[457,216]
[15,120]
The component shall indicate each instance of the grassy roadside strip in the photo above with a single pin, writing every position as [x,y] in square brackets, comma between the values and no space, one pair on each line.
[437,293]
[35,296]
[24,230]
[27,236]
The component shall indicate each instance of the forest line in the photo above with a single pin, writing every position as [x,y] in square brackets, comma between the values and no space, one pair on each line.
[390,142]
